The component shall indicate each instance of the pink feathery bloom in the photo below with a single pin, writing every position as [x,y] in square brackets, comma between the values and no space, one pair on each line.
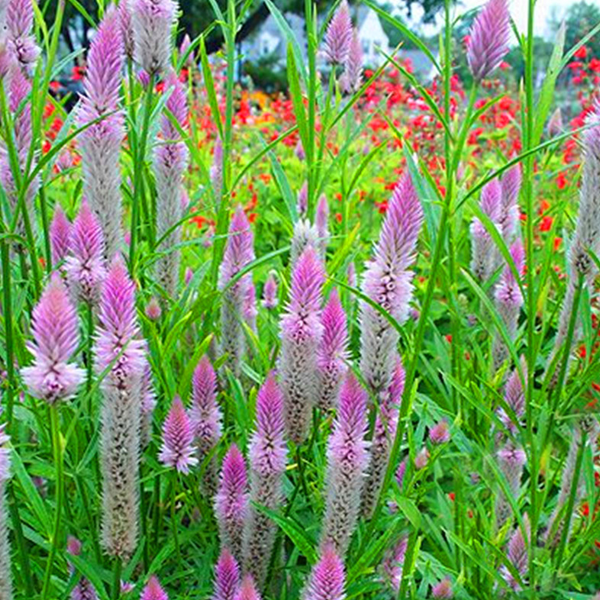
[152,30]
[299,151]
[509,212]
[153,310]
[509,301]
[442,589]
[231,501]
[393,563]
[85,264]
[206,420]
[60,235]
[328,577]
[84,589]
[148,404]
[400,473]
[347,462]
[189,276]
[250,310]
[511,461]
[321,223]
[439,434]
[488,39]
[388,281]
[247,590]
[216,170]
[170,163]
[153,590]
[6,59]
[184,48]
[239,253]
[305,236]
[55,338]
[386,421]
[555,124]
[302,203]
[270,299]
[332,353]
[483,249]
[100,143]
[126,25]
[301,332]
[177,449]
[5,560]
[517,555]
[422,459]
[351,79]
[227,577]
[121,352]
[267,465]
[338,37]
[21,41]
[514,396]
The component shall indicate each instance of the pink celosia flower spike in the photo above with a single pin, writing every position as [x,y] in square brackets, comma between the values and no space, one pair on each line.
[152,30]
[328,577]
[250,310]
[267,461]
[231,502]
[510,213]
[301,331]
[305,236]
[120,351]
[21,41]
[347,462]
[270,299]
[443,589]
[5,562]
[247,590]
[55,339]
[170,163]
[509,301]
[484,254]
[393,564]
[239,252]
[206,420]
[338,37]
[388,281]
[177,450]
[101,143]
[153,590]
[60,235]
[227,577]
[351,79]
[216,170]
[332,353]
[517,555]
[84,589]
[86,267]
[321,224]
[488,39]
[126,25]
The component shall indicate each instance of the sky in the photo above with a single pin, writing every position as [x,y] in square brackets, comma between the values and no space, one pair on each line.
[544,10]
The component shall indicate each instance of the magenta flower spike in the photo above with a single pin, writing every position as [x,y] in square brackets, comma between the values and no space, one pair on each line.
[177,449]
[511,461]
[484,254]
[270,299]
[83,590]
[21,41]
[170,163]
[332,352]
[488,39]
[321,223]
[514,395]
[352,78]
[510,213]
[439,434]
[388,281]
[239,252]
[250,310]
[305,236]
[54,326]
[126,25]
[268,452]
[227,577]
[231,501]
[347,462]
[518,556]
[328,577]
[301,332]
[216,170]
[153,22]
[85,265]
[247,590]
[120,350]
[100,144]
[393,564]
[5,560]
[338,37]
[153,590]
[60,235]
[442,589]
[206,420]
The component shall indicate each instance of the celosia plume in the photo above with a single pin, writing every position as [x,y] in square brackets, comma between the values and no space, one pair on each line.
[321,223]
[54,326]
[483,251]
[21,41]
[231,502]
[153,590]
[227,577]
[84,589]
[301,332]
[338,37]
[177,449]
[393,564]
[270,299]
[351,79]
[328,577]
[518,556]
[305,236]
[60,235]
[247,590]
[442,589]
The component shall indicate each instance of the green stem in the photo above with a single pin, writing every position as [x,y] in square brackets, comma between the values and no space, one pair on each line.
[116,586]
[58,464]
[8,328]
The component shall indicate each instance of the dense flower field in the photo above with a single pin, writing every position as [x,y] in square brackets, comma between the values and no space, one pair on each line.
[339,343]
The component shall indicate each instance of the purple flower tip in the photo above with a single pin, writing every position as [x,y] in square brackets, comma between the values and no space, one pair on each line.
[227,577]
[247,590]
[439,434]
[307,282]
[443,589]
[73,546]
[338,37]
[60,235]
[153,590]
[328,577]
[270,300]
[177,450]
